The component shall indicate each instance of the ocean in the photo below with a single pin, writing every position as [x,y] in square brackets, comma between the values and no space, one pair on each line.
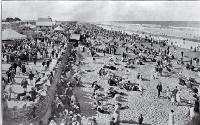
[194,24]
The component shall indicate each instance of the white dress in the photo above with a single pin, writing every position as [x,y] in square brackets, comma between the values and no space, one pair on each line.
[178,98]
[171,119]
[18,70]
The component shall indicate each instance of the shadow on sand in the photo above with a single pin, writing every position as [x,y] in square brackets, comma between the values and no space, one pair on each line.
[85,102]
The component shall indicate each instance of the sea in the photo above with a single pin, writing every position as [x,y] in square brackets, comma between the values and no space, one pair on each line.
[194,24]
[182,33]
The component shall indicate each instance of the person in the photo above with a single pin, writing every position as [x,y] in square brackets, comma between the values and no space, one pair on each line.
[196,105]
[171,118]
[168,92]
[35,59]
[8,75]
[178,97]
[18,70]
[33,94]
[104,52]
[175,92]
[194,113]
[182,54]
[140,119]
[141,88]
[24,84]
[41,122]
[52,122]
[159,88]
[31,76]
[112,121]
[116,115]
[23,69]
[12,75]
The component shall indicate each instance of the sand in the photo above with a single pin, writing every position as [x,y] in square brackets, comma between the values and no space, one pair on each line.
[155,110]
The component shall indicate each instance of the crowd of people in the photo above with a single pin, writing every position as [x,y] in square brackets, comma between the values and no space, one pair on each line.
[66,107]
[31,68]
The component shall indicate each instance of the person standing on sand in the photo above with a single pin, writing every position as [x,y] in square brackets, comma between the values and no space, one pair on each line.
[182,54]
[140,119]
[178,97]
[171,118]
[159,88]
[168,92]
[175,92]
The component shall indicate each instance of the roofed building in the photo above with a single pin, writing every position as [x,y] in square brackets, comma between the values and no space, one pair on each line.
[44,24]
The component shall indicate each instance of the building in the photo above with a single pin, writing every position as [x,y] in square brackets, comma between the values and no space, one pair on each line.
[44,24]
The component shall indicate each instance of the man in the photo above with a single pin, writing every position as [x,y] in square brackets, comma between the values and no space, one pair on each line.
[159,88]
[31,76]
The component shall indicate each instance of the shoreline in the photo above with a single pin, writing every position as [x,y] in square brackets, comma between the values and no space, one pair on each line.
[181,42]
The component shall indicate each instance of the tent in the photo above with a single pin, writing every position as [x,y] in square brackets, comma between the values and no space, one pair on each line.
[30,26]
[9,34]
[58,29]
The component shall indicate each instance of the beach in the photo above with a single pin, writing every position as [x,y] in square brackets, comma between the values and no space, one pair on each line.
[154,110]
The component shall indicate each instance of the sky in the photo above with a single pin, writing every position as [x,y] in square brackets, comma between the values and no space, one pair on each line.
[103,10]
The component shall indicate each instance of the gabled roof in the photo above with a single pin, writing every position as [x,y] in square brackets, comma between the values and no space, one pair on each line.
[9,34]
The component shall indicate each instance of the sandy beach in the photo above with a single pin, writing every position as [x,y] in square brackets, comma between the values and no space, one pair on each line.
[155,110]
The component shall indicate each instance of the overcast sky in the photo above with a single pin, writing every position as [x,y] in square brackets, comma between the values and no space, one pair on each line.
[104,10]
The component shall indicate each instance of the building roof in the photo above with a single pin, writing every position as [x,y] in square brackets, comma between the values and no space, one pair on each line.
[44,22]
[9,34]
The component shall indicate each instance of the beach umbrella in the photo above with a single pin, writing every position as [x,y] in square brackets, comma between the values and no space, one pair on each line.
[9,34]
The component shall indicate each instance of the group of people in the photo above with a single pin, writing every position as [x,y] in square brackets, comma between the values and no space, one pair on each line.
[35,79]
[163,57]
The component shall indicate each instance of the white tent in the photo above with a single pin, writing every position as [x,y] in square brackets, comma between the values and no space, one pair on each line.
[30,25]
[9,34]
[58,29]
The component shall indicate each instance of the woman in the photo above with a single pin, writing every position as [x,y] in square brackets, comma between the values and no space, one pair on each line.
[168,92]
[178,98]
[171,118]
